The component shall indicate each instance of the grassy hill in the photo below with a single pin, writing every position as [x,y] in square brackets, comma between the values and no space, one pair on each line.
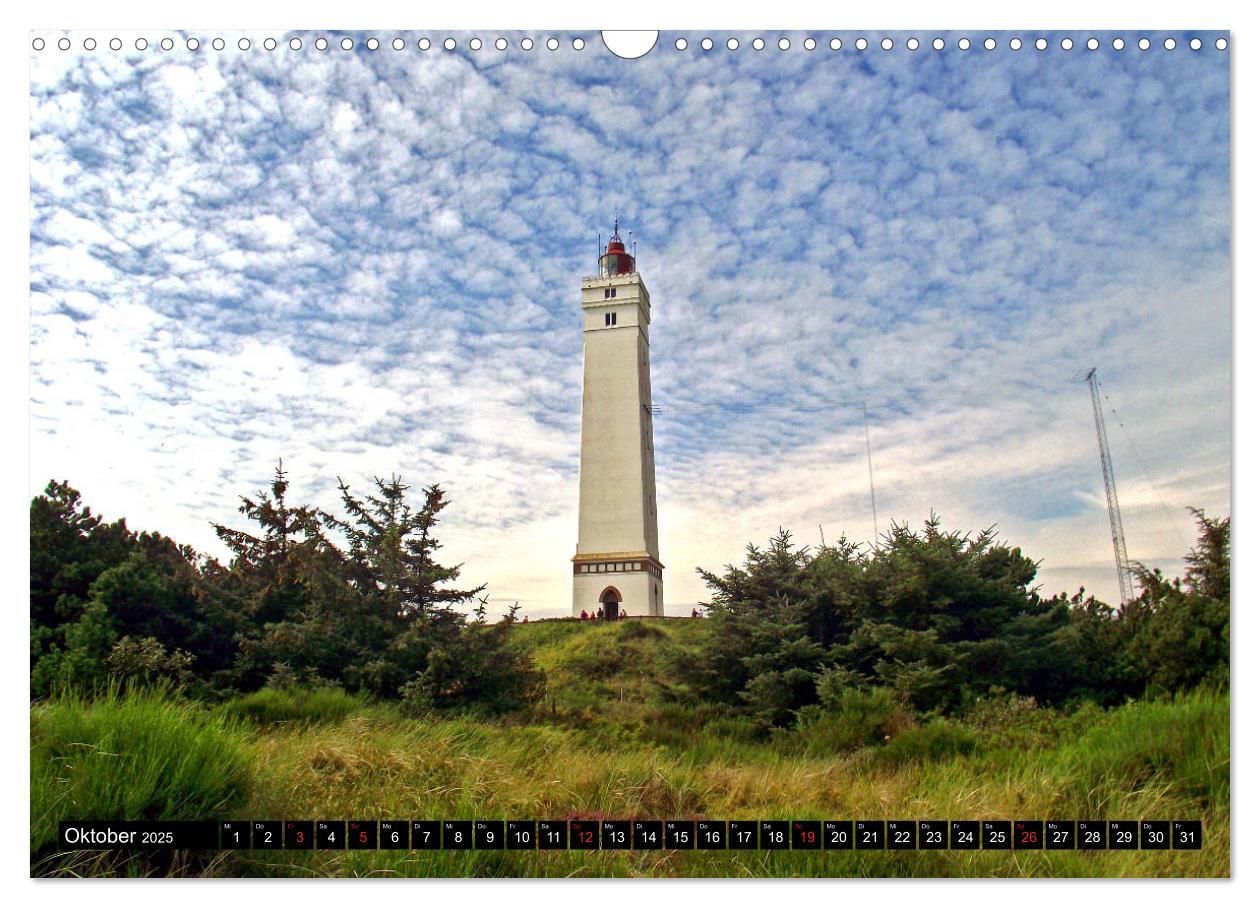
[619,735]
[611,672]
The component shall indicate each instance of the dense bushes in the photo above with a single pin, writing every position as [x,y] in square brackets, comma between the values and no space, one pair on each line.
[376,614]
[850,718]
[936,739]
[932,622]
[841,640]
[480,675]
[1180,633]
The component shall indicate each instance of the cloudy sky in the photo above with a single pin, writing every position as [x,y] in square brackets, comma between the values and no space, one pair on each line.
[367,262]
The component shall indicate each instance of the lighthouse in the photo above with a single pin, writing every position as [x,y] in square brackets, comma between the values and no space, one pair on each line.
[617,568]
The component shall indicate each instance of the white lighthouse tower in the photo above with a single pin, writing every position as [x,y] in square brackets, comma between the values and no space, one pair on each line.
[617,567]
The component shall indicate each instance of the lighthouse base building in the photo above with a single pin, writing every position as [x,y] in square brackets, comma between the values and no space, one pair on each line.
[617,569]
[614,589]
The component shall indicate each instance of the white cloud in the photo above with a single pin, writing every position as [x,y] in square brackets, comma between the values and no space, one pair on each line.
[368,263]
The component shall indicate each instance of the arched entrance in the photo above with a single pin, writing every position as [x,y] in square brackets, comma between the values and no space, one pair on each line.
[610,603]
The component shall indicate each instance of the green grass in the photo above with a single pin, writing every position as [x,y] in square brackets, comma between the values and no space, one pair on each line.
[609,672]
[273,706]
[621,743]
[139,756]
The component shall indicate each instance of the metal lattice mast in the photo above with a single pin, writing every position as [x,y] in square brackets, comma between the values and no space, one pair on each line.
[1123,574]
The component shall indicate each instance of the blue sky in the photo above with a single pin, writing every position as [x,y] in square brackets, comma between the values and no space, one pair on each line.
[368,262]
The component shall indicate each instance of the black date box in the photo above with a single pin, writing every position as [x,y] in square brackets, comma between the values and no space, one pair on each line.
[457,835]
[964,834]
[711,834]
[553,835]
[1029,835]
[188,834]
[868,834]
[806,835]
[996,834]
[234,834]
[1122,835]
[1155,834]
[299,834]
[361,834]
[330,834]
[647,834]
[680,834]
[933,834]
[1187,835]
[584,834]
[426,835]
[742,834]
[614,834]
[1060,835]
[521,835]
[774,834]
[267,834]
[1091,835]
[394,835]
[900,835]
[837,835]
[488,834]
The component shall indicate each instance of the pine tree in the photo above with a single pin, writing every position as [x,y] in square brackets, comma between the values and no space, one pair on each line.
[392,550]
[285,531]
[280,584]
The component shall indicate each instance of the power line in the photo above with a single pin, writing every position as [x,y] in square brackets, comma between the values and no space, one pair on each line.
[870,470]
[1142,463]
[988,391]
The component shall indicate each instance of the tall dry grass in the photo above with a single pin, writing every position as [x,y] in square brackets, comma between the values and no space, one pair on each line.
[625,742]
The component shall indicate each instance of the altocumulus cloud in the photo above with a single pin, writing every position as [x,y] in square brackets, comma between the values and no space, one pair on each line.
[367,262]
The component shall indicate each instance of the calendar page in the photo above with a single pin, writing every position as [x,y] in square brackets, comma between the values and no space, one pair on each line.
[553,453]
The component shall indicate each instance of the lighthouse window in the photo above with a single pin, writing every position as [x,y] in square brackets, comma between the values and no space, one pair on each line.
[610,319]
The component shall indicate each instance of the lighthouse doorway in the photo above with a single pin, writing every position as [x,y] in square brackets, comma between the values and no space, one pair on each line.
[610,603]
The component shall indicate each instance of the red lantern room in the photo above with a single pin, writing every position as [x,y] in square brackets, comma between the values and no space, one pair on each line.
[615,259]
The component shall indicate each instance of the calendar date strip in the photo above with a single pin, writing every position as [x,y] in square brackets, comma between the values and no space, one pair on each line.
[636,835]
